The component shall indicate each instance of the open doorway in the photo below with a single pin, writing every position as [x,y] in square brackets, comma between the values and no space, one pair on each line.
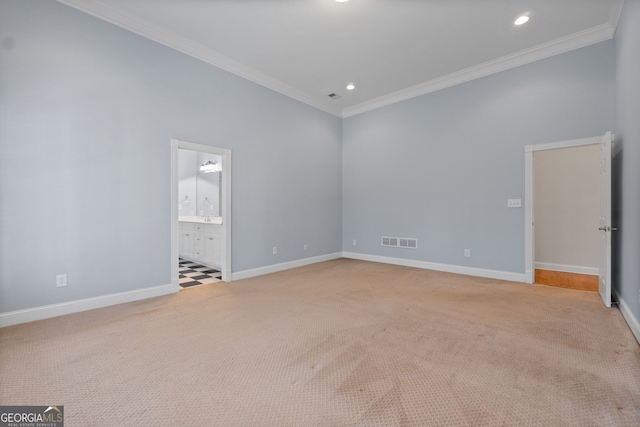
[566,209]
[568,214]
[200,212]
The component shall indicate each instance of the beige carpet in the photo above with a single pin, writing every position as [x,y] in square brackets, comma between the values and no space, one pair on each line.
[339,343]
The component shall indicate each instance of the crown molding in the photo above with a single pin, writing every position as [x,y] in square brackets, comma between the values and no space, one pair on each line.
[574,41]
[188,47]
[616,11]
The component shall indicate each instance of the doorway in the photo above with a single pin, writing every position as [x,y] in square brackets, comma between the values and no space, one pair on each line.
[213,211]
[567,220]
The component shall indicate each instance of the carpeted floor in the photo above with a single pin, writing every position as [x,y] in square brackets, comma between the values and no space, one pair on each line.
[340,343]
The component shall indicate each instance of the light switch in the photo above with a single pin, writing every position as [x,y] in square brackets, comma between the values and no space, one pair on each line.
[514,203]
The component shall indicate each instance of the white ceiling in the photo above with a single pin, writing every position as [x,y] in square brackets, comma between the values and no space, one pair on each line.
[390,49]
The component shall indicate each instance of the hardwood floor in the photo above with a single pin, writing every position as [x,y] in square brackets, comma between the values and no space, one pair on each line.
[582,282]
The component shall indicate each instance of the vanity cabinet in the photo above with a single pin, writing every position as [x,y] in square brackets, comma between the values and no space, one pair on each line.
[186,239]
[198,241]
[212,248]
[201,243]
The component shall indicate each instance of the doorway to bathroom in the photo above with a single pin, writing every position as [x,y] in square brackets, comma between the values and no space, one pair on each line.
[200,214]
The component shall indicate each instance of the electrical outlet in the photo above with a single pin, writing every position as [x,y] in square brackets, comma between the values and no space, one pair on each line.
[275,250]
[61,280]
[305,247]
[467,253]
[514,203]
[355,242]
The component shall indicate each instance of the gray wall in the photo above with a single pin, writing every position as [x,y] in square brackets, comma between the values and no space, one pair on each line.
[87,111]
[441,167]
[627,158]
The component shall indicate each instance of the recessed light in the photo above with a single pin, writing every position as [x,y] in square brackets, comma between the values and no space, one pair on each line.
[351,86]
[341,1]
[521,20]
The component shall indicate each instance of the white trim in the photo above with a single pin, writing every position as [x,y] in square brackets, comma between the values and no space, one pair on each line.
[153,32]
[174,41]
[239,275]
[615,15]
[225,209]
[565,44]
[632,321]
[592,271]
[529,235]
[70,307]
[581,142]
[448,268]
[175,239]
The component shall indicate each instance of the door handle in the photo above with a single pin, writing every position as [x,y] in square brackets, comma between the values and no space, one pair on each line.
[607,228]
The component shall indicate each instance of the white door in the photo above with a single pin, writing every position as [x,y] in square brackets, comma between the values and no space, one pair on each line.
[604,286]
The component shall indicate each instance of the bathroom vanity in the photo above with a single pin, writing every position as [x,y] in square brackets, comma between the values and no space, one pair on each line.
[201,240]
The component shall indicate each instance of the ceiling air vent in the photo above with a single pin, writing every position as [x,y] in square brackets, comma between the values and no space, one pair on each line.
[334,96]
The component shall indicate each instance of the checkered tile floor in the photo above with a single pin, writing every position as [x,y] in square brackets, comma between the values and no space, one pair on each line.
[192,274]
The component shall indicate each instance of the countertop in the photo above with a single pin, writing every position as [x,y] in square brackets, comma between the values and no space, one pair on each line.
[217,220]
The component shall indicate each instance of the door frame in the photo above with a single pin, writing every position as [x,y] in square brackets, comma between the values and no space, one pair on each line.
[529,220]
[225,208]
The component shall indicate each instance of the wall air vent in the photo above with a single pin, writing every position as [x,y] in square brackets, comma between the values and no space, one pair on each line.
[399,242]
[390,241]
[408,243]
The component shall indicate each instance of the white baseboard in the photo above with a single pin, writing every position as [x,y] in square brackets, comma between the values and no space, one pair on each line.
[469,271]
[529,277]
[592,271]
[239,275]
[632,321]
[53,310]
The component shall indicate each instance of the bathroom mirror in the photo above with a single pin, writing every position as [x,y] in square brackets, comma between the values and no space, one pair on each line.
[199,184]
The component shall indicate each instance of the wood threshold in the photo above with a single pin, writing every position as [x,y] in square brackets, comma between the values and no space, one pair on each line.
[582,282]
